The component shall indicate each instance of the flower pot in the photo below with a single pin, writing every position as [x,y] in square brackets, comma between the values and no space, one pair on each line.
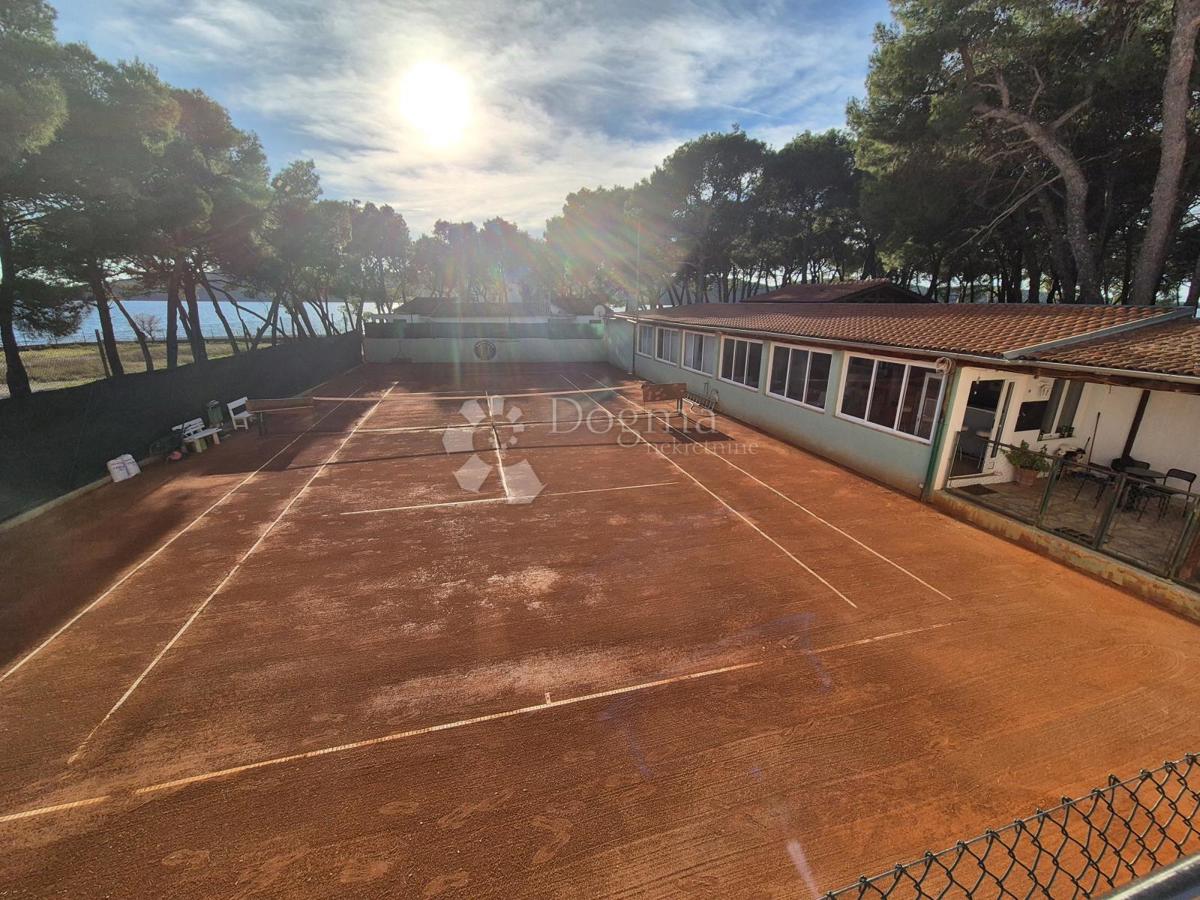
[1025,477]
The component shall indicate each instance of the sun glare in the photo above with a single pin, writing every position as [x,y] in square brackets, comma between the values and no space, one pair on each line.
[436,101]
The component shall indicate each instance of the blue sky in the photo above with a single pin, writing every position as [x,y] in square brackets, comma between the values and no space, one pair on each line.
[562,94]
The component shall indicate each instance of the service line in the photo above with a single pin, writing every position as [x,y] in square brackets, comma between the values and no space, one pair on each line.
[338,749]
[784,550]
[804,509]
[224,581]
[453,503]
[120,581]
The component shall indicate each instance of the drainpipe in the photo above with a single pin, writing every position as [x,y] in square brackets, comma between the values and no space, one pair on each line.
[939,437]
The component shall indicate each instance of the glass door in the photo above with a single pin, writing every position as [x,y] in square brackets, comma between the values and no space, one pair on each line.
[983,420]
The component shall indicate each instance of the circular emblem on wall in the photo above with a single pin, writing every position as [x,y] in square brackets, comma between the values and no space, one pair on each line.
[485,350]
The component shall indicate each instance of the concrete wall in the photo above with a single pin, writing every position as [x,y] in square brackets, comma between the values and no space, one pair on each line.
[897,461]
[442,350]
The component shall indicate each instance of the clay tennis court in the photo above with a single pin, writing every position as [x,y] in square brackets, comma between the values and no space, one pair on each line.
[700,661]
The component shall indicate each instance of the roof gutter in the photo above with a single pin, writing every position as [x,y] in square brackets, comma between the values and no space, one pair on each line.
[995,362]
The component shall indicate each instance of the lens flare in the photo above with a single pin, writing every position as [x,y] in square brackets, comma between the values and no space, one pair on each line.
[435,99]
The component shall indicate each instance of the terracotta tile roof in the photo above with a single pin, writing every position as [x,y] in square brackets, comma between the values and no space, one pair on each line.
[1172,348]
[876,290]
[983,330]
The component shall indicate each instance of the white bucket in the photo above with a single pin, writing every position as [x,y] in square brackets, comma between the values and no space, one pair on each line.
[123,467]
[131,465]
[117,469]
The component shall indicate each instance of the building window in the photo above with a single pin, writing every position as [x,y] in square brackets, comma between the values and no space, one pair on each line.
[645,340]
[890,395]
[667,348]
[799,375]
[1059,417]
[741,361]
[700,352]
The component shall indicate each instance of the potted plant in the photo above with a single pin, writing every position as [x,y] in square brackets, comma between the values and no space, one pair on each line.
[1028,463]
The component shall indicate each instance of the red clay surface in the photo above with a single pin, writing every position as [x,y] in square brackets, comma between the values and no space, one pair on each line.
[747,672]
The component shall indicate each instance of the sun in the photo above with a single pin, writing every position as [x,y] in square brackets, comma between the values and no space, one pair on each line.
[436,100]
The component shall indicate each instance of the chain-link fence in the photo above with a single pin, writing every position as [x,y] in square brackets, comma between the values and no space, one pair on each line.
[1081,848]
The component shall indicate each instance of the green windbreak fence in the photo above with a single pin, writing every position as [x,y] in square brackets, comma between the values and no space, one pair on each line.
[552,329]
[55,441]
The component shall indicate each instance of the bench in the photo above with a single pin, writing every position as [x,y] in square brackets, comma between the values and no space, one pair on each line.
[238,414]
[193,434]
[702,400]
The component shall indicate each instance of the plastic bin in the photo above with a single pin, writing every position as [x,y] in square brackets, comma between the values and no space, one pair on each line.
[212,414]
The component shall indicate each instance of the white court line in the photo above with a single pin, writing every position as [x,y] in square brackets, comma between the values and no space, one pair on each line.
[496,446]
[603,490]
[224,581]
[120,581]
[539,423]
[921,581]
[400,398]
[432,729]
[784,550]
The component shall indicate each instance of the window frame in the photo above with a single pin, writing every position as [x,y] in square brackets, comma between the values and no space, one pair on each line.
[807,371]
[659,331]
[1069,384]
[637,340]
[909,365]
[701,335]
[721,356]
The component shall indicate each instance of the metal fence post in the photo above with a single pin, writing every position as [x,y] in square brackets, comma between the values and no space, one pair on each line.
[1051,481]
[100,350]
[1110,511]
[1188,535]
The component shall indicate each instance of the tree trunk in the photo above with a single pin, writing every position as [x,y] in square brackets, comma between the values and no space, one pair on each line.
[1078,237]
[220,314]
[1193,294]
[1060,256]
[15,374]
[269,322]
[173,315]
[147,356]
[109,339]
[199,349]
[1165,198]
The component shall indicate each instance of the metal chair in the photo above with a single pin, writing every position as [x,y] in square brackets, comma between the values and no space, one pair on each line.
[1165,494]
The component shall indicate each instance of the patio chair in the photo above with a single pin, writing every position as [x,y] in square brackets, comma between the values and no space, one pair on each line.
[1102,478]
[1164,494]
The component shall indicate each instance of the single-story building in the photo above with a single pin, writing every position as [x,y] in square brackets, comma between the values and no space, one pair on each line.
[1080,423]
[446,330]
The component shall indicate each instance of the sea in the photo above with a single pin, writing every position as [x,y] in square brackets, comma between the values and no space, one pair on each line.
[210,323]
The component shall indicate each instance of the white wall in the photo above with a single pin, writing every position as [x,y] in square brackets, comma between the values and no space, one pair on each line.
[1168,438]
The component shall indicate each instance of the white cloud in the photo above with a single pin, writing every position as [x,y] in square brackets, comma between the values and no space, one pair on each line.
[563,96]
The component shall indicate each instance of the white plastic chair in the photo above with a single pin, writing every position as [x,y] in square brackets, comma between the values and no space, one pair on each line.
[238,414]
